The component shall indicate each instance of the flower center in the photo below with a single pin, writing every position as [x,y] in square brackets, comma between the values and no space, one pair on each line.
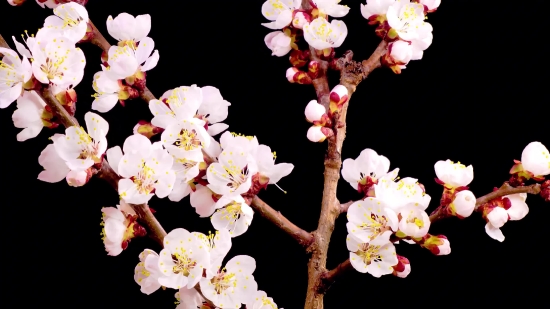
[188,140]
[52,67]
[369,254]
[375,224]
[7,73]
[184,264]
[145,180]
[223,281]
[236,177]
[414,219]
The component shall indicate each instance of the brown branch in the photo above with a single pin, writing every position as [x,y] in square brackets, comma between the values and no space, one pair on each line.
[328,278]
[61,114]
[351,74]
[4,44]
[505,189]
[304,238]
[153,225]
[344,207]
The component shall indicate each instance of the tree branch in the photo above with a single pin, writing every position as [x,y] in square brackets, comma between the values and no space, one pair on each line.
[351,74]
[505,189]
[344,207]
[4,44]
[328,278]
[62,115]
[304,238]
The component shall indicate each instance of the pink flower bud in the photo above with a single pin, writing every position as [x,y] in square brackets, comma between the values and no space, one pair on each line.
[296,76]
[16,2]
[438,245]
[400,52]
[463,204]
[403,267]
[278,42]
[314,111]
[430,5]
[290,74]
[338,97]
[545,191]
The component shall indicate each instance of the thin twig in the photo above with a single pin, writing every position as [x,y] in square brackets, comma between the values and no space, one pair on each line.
[330,277]
[304,238]
[62,115]
[344,207]
[504,190]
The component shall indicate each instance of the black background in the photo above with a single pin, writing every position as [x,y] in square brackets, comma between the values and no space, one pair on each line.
[479,96]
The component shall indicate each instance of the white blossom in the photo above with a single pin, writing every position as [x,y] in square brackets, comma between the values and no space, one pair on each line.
[70,21]
[232,214]
[107,92]
[189,299]
[370,219]
[376,257]
[405,18]
[233,285]
[183,259]
[126,27]
[321,34]
[145,168]
[14,72]
[368,164]
[233,172]
[58,62]
[28,115]
[331,7]
[147,272]
[124,61]
[402,193]
[117,227]
[375,7]
[453,174]
[279,12]
[55,168]
[414,222]
[278,42]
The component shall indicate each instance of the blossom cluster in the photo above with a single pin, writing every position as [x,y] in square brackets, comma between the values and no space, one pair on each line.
[394,209]
[401,23]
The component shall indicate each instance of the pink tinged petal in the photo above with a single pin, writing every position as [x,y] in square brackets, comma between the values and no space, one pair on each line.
[357,263]
[174,281]
[122,27]
[241,264]
[105,102]
[105,84]
[497,217]
[315,134]
[77,178]
[494,232]
[279,171]
[144,49]
[179,191]
[29,132]
[114,230]
[284,19]
[151,61]
[7,51]
[464,203]
[269,39]
[114,155]
[55,168]
[142,26]
[11,94]
[339,33]
[137,144]
[217,128]
[97,126]
[519,208]
[201,200]
[21,48]
[351,173]
[190,298]
[164,185]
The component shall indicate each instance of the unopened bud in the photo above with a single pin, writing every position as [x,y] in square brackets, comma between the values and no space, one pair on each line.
[313,69]
[338,97]
[318,133]
[545,191]
[463,204]
[314,111]
[299,58]
[78,179]
[300,19]
[147,129]
[296,76]
[16,2]
[403,267]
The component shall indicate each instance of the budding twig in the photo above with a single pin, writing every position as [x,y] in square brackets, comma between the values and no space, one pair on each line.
[328,278]
[351,74]
[344,207]
[302,237]
[504,190]
[62,115]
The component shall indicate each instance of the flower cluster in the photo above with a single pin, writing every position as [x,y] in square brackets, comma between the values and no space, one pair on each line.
[401,23]
[291,22]
[391,210]
[123,71]
[49,59]
[194,258]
